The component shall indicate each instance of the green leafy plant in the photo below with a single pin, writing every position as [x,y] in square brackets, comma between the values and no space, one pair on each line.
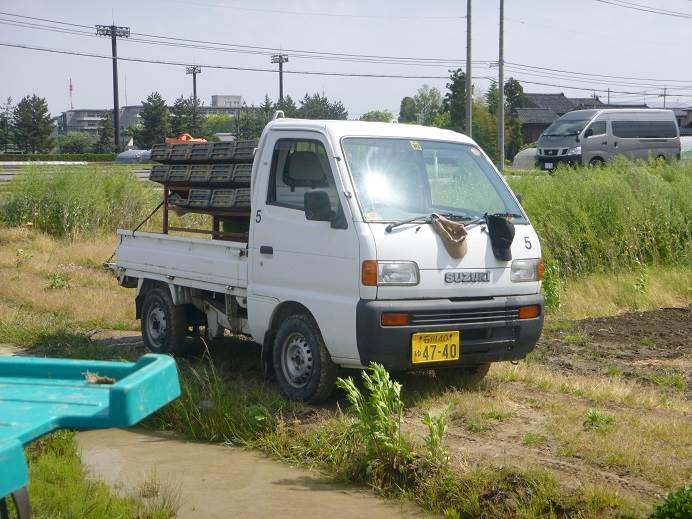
[378,418]
[596,419]
[22,257]
[552,285]
[437,427]
[676,505]
[57,281]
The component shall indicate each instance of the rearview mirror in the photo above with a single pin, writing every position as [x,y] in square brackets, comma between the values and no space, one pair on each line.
[317,206]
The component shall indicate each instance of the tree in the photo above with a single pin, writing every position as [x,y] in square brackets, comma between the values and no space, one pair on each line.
[514,97]
[455,99]
[492,97]
[514,138]
[104,144]
[6,124]
[76,142]
[407,110]
[317,106]
[133,132]
[217,123]
[251,122]
[428,102]
[484,126]
[183,117]
[267,107]
[155,123]
[288,106]
[382,116]
[32,125]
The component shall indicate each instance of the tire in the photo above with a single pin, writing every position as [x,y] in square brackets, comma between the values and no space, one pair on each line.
[469,375]
[597,162]
[164,325]
[302,365]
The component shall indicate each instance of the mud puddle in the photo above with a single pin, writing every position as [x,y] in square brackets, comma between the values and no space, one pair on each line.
[213,481]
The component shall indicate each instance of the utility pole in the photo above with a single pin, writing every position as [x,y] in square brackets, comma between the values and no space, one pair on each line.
[469,82]
[280,59]
[114,32]
[665,94]
[501,90]
[194,70]
[608,96]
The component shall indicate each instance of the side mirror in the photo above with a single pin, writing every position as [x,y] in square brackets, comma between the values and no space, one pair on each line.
[588,133]
[317,206]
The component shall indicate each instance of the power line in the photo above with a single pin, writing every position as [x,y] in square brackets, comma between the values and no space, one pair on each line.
[646,8]
[597,75]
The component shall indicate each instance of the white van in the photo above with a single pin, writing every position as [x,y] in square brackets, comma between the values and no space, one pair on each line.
[594,137]
[343,266]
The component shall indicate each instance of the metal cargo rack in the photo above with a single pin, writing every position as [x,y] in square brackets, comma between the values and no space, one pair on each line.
[206,178]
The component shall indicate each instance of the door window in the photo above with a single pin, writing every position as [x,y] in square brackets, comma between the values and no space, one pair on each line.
[299,166]
[598,128]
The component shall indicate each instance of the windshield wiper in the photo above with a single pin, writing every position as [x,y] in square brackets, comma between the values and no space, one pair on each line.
[426,218]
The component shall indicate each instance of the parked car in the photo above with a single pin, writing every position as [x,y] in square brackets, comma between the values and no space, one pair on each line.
[594,137]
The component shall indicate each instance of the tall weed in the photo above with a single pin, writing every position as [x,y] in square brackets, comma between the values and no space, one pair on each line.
[619,216]
[72,202]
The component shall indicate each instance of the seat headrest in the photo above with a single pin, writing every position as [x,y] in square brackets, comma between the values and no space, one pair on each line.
[304,169]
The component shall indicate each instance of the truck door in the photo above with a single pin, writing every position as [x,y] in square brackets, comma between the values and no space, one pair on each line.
[296,259]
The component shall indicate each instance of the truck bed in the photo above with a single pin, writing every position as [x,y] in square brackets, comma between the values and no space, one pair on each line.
[215,265]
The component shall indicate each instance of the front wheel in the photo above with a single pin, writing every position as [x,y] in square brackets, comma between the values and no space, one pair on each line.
[302,365]
[597,162]
[164,325]
[468,375]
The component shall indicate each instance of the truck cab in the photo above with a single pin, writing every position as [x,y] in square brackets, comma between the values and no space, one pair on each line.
[344,264]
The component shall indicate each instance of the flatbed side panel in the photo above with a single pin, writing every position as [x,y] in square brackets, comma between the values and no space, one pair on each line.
[216,262]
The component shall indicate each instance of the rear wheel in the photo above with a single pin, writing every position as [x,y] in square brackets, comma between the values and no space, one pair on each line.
[597,162]
[164,325]
[302,365]
[468,375]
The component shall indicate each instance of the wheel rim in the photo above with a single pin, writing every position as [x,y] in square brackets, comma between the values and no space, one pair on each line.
[156,324]
[296,360]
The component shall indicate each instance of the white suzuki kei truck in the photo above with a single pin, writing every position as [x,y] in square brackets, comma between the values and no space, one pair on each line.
[343,266]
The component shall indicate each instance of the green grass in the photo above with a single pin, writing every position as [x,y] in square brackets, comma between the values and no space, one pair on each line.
[606,219]
[533,439]
[75,201]
[60,488]
[675,380]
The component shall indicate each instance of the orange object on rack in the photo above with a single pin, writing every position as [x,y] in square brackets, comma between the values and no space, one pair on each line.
[183,138]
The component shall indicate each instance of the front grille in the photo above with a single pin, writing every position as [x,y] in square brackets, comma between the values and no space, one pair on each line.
[550,153]
[471,316]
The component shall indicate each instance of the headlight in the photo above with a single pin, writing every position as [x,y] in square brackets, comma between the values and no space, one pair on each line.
[526,270]
[397,273]
[574,151]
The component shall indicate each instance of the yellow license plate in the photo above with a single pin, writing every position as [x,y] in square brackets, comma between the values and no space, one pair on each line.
[434,347]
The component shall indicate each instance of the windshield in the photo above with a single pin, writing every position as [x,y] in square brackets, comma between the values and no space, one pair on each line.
[397,179]
[567,126]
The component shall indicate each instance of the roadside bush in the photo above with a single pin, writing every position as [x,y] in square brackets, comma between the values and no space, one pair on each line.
[73,202]
[677,505]
[619,216]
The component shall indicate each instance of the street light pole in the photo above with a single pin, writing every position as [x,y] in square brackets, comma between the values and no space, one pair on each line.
[280,59]
[114,32]
[194,70]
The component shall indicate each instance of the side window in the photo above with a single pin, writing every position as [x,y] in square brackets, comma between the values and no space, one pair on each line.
[644,129]
[299,166]
[598,128]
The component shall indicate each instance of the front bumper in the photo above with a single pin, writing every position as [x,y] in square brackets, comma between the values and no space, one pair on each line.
[549,163]
[490,330]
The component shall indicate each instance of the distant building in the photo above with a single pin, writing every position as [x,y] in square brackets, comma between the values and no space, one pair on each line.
[226,101]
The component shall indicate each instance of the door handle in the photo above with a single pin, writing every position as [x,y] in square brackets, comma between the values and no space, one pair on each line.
[266,249]
[604,143]
[615,144]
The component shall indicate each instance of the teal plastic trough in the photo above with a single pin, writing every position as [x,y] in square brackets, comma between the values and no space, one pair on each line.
[39,395]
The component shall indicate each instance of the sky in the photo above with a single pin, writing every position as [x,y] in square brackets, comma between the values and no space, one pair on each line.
[579,37]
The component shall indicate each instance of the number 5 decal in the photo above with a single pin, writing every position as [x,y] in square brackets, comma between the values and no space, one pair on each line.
[527,242]
[258,216]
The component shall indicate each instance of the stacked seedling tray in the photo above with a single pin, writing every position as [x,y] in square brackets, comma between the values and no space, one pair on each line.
[208,178]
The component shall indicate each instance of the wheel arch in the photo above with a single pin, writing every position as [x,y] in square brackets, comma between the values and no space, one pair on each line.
[281,312]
